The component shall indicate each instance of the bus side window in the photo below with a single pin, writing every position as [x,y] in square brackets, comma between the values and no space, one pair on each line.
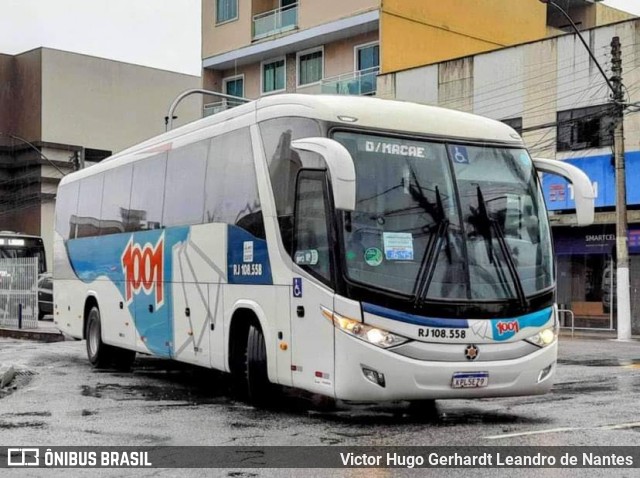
[147,194]
[89,204]
[284,164]
[231,187]
[66,207]
[184,192]
[312,249]
[116,198]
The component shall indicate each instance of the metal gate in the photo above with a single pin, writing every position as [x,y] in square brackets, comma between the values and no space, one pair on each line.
[19,292]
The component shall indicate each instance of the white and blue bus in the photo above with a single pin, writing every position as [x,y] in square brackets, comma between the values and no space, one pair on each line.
[358,248]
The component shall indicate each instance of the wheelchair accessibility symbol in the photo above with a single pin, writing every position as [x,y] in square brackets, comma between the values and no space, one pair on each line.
[297,286]
[460,155]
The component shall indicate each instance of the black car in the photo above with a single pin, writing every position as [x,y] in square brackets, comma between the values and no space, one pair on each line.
[45,295]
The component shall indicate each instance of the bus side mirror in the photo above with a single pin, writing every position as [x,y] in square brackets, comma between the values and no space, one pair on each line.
[342,171]
[582,187]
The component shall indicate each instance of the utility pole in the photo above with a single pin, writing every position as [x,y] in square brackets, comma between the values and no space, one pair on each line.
[622,250]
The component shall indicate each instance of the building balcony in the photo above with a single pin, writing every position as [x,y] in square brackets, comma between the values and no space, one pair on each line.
[275,21]
[219,106]
[362,82]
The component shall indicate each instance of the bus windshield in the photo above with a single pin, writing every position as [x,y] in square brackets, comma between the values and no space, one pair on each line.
[28,248]
[442,221]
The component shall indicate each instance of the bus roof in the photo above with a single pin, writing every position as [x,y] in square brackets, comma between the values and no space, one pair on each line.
[18,234]
[368,112]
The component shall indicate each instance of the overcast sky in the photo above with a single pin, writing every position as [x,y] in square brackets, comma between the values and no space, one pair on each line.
[159,33]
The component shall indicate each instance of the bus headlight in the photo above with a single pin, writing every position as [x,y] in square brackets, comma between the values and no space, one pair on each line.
[379,337]
[544,337]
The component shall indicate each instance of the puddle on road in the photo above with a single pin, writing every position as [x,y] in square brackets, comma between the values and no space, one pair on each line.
[181,385]
[9,425]
[27,414]
[601,362]
[575,388]
[160,393]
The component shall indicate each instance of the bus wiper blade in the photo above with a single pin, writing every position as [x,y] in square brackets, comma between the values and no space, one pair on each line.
[511,265]
[485,229]
[428,265]
[442,218]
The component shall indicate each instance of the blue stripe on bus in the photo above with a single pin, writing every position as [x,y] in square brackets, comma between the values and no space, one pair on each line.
[502,329]
[415,319]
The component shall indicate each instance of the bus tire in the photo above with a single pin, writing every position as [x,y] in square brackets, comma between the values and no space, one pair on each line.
[100,354]
[424,409]
[259,389]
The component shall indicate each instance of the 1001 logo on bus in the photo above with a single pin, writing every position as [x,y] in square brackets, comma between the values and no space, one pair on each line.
[143,270]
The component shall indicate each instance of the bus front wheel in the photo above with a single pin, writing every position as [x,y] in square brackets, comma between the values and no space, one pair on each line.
[100,354]
[258,386]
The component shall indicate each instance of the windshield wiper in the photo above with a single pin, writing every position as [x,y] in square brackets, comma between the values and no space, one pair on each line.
[428,264]
[485,229]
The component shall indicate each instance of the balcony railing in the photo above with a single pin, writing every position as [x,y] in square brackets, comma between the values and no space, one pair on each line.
[218,106]
[275,21]
[362,82]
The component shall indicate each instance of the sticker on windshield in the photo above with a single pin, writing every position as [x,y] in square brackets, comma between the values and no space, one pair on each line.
[373,256]
[308,257]
[459,154]
[398,246]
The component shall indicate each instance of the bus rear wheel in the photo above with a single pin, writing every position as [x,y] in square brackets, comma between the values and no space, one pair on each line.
[100,354]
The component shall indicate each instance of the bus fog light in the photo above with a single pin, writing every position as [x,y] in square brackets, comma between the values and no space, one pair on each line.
[544,337]
[544,373]
[374,376]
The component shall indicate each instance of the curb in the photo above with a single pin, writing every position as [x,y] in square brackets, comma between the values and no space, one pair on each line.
[38,336]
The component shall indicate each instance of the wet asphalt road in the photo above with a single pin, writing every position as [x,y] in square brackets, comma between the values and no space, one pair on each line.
[61,400]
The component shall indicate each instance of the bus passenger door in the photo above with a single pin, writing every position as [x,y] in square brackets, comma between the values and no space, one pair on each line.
[312,336]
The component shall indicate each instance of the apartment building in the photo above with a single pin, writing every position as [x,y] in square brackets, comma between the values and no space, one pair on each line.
[252,48]
[61,110]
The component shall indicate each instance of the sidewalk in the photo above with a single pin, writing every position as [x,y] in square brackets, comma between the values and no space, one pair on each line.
[46,332]
[586,334]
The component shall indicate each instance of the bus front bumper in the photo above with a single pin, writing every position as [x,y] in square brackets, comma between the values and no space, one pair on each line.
[406,378]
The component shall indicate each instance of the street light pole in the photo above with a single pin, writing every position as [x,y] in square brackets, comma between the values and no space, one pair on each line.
[623,301]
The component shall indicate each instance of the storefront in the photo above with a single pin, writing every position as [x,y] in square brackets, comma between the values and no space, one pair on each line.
[585,258]
[586,255]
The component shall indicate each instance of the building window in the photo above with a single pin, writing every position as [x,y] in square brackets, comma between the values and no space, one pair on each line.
[515,123]
[226,10]
[310,66]
[367,56]
[367,65]
[273,76]
[234,86]
[584,128]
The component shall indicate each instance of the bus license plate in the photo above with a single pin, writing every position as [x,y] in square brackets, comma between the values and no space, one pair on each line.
[470,380]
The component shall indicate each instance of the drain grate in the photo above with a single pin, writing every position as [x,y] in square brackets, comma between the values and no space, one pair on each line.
[25,373]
